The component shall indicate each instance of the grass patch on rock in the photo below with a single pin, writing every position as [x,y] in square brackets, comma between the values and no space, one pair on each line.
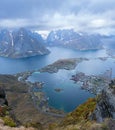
[81,113]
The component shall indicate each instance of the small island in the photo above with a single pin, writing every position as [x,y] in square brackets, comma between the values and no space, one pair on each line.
[103,58]
[58,89]
[67,64]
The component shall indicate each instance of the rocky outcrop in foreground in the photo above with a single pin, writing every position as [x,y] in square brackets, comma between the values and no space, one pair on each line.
[105,107]
[84,117]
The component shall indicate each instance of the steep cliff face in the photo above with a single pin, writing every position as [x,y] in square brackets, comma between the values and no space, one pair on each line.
[71,39]
[21,43]
[106,103]
[3,100]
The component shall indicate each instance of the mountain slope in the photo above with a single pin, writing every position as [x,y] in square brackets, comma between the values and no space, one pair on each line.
[21,43]
[70,38]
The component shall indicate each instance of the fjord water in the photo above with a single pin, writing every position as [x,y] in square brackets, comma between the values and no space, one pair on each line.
[69,97]
[11,66]
[71,94]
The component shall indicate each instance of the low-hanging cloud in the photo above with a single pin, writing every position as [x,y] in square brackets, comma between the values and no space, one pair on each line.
[92,16]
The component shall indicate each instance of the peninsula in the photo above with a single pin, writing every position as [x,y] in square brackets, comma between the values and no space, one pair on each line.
[67,64]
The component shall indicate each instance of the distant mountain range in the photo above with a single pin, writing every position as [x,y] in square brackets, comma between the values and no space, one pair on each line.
[71,39]
[24,43]
[21,43]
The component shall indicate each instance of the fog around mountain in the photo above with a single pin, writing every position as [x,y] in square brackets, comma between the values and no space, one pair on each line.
[92,16]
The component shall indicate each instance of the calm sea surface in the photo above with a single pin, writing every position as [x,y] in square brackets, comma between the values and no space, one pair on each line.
[71,94]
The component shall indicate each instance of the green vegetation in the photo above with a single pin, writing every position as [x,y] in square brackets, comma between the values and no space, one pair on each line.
[82,113]
[4,111]
[37,125]
[20,100]
[25,113]
[9,121]
[52,126]
[5,116]
[78,119]
[67,64]
[104,127]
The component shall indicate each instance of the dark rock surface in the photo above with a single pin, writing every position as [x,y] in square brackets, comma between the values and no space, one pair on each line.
[3,100]
[106,104]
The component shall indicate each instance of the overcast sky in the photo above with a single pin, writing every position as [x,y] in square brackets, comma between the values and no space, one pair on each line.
[82,15]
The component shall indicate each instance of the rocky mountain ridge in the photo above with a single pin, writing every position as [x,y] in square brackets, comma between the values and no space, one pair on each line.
[21,43]
[105,107]
[71,39]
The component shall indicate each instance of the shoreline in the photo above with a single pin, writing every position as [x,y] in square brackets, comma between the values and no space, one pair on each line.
[88,82]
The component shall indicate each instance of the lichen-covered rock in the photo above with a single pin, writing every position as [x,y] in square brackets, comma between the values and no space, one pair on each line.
[106,104]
